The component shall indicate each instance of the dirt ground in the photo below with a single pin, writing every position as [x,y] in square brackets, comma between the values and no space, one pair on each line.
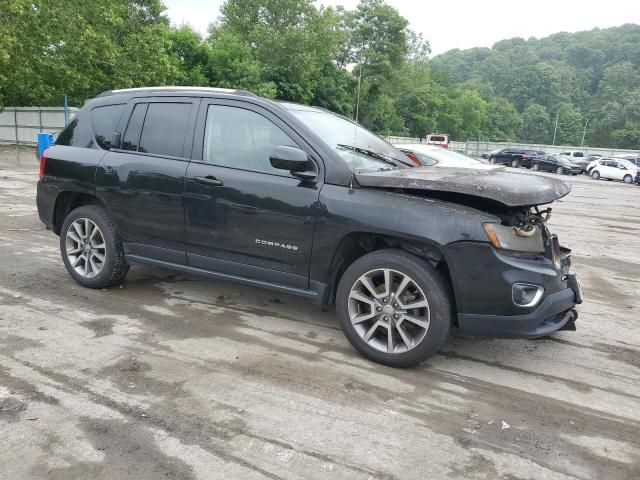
[181,377]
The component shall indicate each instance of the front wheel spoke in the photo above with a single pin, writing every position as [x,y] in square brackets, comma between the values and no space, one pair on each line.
[390,340]
[99,256]
[403,284]
[416,321]
[405,338]
[86,266]
[387,282]
[363,298]
[73,236]
[74,250]
[412,306]
[76,261]
[363,317]
[87,228]
[78,229]
[368,284]
[94,267]
[99,246]
[367,336]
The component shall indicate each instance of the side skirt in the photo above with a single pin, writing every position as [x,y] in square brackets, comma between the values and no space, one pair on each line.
[316,294]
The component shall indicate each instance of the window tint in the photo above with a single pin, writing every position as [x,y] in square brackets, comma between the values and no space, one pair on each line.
[164,128]
[105,120]
[77,133]
[131,137]
[240,138]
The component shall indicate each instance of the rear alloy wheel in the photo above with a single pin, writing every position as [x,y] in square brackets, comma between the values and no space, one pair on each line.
[559,170]
[628,179]
[515,163]
[91,248]
[536,167]
[394,308]
[595,175]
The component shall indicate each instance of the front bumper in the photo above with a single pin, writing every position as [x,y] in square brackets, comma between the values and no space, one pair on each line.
[483,280]
[554,313]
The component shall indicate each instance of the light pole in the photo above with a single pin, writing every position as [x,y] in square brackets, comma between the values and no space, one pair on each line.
[584,133]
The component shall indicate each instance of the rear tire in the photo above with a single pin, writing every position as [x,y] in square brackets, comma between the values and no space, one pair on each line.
[515,163]
[628,179]
[595,175]
[560,171]
[367,316]
[535,167]
[91,248]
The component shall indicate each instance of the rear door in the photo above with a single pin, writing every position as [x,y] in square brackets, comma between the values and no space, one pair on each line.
[243,217]
[142,182]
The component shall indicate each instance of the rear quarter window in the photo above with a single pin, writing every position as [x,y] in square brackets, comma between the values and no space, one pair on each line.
[78,133]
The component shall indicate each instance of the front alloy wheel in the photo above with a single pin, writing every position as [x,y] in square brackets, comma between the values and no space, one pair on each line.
[389,311]
[86,249]
[394,307]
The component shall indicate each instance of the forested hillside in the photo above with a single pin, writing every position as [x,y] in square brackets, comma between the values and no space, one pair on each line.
[299,51]
[588,77]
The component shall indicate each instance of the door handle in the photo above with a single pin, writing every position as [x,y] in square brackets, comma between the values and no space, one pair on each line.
[209,180]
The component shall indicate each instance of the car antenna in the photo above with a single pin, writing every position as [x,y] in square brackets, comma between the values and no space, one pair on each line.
[355,126]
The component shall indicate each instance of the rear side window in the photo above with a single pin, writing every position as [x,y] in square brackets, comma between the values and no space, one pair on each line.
[131,139]
[77,133]
[105,120]
[164,128]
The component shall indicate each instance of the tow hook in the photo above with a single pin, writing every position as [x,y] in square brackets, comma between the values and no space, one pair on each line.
[571,323]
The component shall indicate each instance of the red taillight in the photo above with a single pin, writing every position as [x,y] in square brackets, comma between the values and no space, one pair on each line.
[43,161]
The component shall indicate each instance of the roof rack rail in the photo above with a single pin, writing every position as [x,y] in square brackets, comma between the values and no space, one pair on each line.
[175,89]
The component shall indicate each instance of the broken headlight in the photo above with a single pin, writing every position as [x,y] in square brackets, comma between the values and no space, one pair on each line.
[516,239]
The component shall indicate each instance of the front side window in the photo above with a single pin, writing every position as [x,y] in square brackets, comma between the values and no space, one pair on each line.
[239,138]
[105,120]
[164,128]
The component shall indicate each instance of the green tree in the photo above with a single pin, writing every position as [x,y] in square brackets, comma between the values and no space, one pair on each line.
[536,123]
[503,121]
[570,126]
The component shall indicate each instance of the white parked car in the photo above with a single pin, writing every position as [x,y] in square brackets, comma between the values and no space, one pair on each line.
[614,169]
[432,156]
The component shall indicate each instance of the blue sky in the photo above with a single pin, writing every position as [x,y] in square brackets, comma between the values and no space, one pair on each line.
[464,24]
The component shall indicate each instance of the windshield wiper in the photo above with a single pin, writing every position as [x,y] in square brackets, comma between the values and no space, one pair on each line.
[371,153]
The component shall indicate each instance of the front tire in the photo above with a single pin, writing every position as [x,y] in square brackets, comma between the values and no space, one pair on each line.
[535,167]
[394,308]
[515,163]
[595,175]
[91,248]
[560,171]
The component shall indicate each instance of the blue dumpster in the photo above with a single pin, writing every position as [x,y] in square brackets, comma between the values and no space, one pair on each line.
[45,140]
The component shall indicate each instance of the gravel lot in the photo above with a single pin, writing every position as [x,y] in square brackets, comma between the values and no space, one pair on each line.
[180,377]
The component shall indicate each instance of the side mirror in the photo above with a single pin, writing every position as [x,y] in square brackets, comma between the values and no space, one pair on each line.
[294,160]
[289,158]
[116,140]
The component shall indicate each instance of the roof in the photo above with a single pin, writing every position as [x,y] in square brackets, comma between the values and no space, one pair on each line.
[169,89]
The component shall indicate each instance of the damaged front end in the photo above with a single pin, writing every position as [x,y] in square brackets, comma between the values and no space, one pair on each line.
[516,282]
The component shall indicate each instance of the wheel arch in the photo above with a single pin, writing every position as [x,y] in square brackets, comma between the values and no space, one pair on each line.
[66,202]
[357,244]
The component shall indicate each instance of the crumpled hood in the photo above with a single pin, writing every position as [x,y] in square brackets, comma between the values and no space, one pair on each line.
[509,188]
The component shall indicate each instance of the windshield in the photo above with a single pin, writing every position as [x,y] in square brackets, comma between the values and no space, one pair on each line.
[370,152]
[450,158]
